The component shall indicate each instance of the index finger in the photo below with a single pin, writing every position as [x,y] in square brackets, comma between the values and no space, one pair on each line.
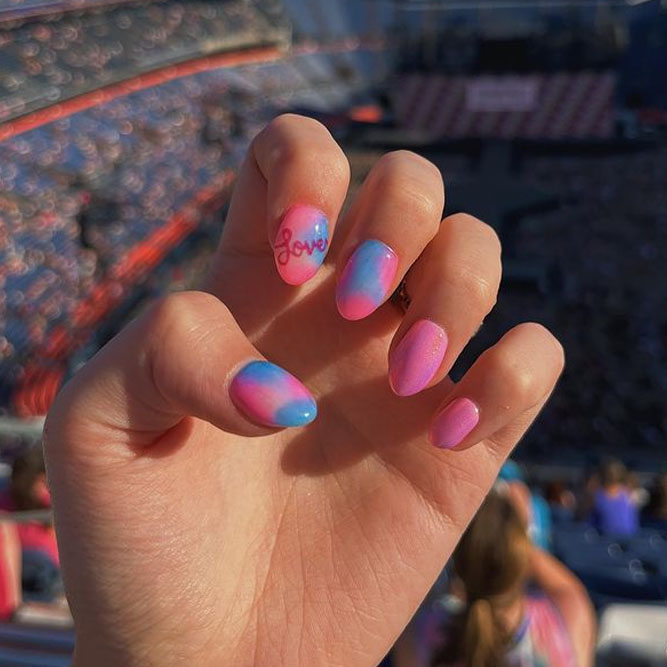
[288,196]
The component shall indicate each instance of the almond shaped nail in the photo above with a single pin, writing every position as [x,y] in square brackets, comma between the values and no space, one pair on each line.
[366,280]
[417,358]
[271,396]
[301,244]
[454,422]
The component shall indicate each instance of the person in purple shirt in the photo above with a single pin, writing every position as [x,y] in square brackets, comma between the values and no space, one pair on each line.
[614,512]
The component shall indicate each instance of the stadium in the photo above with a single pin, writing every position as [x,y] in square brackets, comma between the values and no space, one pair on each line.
[123,127]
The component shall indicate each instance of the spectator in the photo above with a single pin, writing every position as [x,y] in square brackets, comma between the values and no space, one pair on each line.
[655,511]
[586,498]
[614,512]
[533,510]
[638,494]
[501,622]
[39,550]
[561,501]
[10,570]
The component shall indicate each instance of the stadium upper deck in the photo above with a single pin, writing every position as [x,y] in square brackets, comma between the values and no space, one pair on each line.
[50,59]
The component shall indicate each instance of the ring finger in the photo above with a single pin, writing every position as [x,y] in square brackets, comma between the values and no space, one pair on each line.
[452,287]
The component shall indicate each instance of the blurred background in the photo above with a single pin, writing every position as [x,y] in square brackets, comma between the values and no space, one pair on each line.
[122,125]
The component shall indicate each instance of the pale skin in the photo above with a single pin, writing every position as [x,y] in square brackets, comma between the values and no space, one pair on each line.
[191,536]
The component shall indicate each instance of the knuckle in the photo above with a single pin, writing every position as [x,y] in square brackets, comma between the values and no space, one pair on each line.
[477,289]
[401,175]
[398,164]
[177,322]
[529,372]
[551,349]
[290,139]
[521,384]
[290,122]
[483,232]
[173,318]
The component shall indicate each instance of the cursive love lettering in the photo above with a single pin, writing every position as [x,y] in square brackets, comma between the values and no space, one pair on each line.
[285,248]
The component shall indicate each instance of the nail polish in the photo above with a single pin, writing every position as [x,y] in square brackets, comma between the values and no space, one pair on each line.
[417,358]
[366,280]
[301,244]
[454,423]
[271,396]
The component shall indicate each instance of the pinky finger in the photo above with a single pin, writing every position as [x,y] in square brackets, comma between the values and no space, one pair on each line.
[511,379]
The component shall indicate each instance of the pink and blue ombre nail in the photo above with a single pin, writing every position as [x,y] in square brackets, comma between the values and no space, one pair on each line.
[271,396]
[366,280]
[301,244]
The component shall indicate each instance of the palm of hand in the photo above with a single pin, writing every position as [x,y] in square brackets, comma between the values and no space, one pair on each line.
[338,527]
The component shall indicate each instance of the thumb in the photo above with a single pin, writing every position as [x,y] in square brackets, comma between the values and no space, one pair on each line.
[185,356]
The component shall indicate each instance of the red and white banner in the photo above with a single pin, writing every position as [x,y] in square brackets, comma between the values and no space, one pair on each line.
[548,106]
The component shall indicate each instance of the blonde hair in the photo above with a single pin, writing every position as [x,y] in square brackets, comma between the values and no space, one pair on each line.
[492,562]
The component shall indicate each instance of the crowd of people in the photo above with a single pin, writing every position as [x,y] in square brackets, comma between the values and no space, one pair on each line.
[29,562]
[605,239]
[513,593]
[48,60]
[77,194]
[601,288]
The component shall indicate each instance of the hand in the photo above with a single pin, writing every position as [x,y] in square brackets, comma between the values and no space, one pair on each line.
[193,529]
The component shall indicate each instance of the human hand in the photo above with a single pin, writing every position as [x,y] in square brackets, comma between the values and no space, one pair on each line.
[191,533]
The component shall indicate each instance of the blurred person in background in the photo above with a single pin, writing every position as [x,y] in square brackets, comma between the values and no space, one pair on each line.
[638,494]
[504,622]
[28,491]
[655,511]
[614,511]
[10,570]
[533,509]
[586,495]
[561,501]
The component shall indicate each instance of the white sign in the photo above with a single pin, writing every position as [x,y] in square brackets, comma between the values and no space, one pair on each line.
[502,93]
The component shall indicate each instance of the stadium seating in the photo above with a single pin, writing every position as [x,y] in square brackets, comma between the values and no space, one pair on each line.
[615,569]
[78,194]
[43,61]
[34,646]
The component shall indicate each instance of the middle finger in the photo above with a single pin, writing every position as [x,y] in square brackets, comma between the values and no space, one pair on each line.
[394,216]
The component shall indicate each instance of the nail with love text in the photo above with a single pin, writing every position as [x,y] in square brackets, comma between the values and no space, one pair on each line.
[271,396]
[301,244]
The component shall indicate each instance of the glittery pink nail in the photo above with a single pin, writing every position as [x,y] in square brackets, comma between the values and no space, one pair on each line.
[417,358]
[454,423]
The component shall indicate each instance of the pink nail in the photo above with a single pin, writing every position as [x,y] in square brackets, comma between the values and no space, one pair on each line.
[417,358]
[301,244]
[454,423]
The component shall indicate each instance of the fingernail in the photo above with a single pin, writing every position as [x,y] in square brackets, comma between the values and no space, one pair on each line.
[301,244]
[417,358]
[454,423]
[366,279]
[271,396]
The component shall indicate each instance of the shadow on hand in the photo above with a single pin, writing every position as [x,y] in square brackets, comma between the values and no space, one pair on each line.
[358,420]
[311,335]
